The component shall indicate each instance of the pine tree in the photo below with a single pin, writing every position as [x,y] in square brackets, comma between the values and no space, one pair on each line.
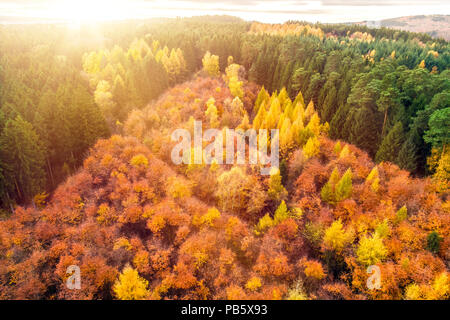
[328,191]
[21,149]
[299,100]
[344,186]
[391,144]
[311,148]
[263,97]
[276,190]
[260,116]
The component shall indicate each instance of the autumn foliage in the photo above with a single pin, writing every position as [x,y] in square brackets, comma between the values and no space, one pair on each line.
[140,227]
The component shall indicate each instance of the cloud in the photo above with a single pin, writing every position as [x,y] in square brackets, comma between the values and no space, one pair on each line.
[382,2]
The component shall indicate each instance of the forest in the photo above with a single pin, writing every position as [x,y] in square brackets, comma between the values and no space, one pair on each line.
[86,176]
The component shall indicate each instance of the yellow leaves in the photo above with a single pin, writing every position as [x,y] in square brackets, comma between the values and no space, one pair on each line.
[392,55]
[422,64]
[373,179]
[383,229]
[232,78]
[336,238]
[310,111]
[139,161]
[311,148]
[314,124]
[438,290]
[233,189]
[122,243]
[40,200]
[264,224]
[211,64]
[297,292]
[280,215]
[371,250]
[402,214]
[336,189]
[276,190]
[105,215]
[286,29]
[414,292]
[344,152]
[178,188]
[231,224]
[156,223]
[337,148]
[441,286]
[253,284]
[344,186]
[439,162]
[433,53]
[130,286]
[211,113]
[209,217]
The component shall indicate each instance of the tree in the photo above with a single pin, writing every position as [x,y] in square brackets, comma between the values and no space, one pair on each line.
[276,190]
[402,214]
[311,148]
[314,269]
[439,133]
[232,189]
[328,190]
[344,186]
[434,242]
[391,144]
[336,238]
[211,64]
[371,250]
[130,286]
[211,113]
[22,151]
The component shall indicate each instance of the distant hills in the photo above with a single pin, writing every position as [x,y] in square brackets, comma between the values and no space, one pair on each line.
[437,26]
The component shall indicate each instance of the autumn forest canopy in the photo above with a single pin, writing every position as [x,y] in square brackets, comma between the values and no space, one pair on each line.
[86,176]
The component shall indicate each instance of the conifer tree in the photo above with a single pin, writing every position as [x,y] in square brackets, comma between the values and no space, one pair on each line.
[391,144]
[21,148]
[344,186]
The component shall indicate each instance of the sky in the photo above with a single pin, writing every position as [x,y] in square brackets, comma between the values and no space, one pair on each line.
[271,11]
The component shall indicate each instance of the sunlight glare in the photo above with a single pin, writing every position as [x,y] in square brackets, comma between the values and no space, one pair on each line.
[83,11]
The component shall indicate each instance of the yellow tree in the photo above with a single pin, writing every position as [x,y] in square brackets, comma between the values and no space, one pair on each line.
[371,250]
[130,286]
[311,148]
[336,238]
[276,189]
[211,64]
[211,113]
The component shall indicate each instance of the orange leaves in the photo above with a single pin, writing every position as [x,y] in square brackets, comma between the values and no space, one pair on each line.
[275,265]
[141,261]
[235,292]
[314,269]
[156,223]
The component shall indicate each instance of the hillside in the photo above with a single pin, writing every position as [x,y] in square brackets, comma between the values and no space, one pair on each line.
[437,26]
[116,158]
[140,228]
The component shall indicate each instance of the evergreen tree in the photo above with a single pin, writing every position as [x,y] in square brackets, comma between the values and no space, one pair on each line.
[391,144]
[21,149]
